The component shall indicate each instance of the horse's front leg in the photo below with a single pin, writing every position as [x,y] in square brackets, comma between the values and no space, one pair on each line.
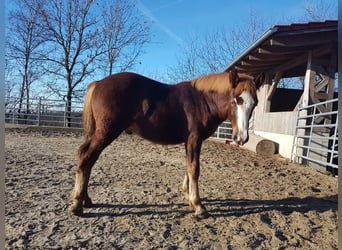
[185,186]
[193,148]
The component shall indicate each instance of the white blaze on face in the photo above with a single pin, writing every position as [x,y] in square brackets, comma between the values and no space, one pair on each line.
[245,104]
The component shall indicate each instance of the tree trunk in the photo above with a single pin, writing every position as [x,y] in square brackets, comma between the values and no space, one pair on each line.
[68,109]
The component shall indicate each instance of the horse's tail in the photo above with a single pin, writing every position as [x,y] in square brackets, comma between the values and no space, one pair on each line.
[88,117]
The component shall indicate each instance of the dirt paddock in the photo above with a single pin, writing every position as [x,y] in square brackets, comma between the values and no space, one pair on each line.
[254,202]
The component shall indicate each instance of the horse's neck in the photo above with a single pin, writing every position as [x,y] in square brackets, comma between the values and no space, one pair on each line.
[218,104]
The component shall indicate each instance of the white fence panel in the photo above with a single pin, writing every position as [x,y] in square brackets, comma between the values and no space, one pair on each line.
[224,131]
[43,112]
[315,140]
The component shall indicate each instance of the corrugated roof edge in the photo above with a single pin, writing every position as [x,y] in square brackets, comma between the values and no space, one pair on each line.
[301,26]
[281,28]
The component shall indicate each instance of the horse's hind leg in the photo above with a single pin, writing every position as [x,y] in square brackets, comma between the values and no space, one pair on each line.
[88,153]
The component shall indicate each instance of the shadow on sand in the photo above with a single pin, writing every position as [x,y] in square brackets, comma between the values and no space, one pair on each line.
[220,207]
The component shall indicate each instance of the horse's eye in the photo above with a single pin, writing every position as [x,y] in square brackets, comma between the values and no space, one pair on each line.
[239,100]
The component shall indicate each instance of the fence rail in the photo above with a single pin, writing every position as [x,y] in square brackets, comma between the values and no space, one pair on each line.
[316,140]
[46,112]
[43,112]
[224,131]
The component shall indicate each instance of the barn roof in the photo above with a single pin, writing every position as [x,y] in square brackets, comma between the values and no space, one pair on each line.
[285,48]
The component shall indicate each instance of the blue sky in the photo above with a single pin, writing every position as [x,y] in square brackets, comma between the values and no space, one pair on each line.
[174,22]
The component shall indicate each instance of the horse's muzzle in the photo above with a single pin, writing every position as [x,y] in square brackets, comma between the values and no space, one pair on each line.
[240,140]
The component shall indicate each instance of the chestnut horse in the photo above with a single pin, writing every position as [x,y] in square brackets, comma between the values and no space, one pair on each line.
[186,112]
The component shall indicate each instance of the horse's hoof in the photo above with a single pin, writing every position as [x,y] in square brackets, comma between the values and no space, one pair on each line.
[88,203]
[202,215]
[75,211]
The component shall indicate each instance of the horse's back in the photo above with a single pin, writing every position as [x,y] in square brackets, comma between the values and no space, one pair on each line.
[122,87]
[126,81]
[129,94]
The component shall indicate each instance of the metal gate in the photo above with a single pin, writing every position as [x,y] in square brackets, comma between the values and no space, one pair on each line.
[316,136]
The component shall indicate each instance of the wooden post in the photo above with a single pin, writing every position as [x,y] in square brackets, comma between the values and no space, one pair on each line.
[39,110]
[309,77]
[272,89]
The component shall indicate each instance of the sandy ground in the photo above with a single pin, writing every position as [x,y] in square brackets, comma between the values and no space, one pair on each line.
[254,202]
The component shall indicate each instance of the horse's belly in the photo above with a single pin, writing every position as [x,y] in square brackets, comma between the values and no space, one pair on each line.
[158,134]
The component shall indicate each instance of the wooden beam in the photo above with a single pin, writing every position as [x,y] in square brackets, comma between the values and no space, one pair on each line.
[252,68]
[321,96]
[274,85]
[302,58]
[274,57]
[291,63]
[274,50]
[271,91]
[264,63]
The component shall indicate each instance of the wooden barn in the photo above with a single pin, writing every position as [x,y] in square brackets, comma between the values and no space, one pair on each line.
[298,101]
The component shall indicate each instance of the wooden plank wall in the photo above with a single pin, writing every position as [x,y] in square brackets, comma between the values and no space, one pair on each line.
[275,122]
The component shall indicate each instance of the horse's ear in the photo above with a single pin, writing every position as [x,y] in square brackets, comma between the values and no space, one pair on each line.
[234,77]
[260,79]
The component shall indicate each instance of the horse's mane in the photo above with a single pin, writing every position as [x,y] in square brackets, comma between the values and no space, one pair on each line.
[224,82]
[245,84]
[219,82]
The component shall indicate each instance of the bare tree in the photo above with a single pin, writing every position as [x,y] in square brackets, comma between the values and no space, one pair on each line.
[318,10]
[124,33]
[72,44]
[22,48]
[10,85]
[187,66]
[216,49]
[68,40]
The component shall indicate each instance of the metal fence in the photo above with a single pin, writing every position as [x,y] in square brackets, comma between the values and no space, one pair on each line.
[316,140]
[224,131]
[43,112]
[47,112]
